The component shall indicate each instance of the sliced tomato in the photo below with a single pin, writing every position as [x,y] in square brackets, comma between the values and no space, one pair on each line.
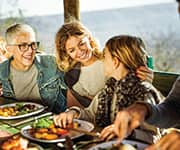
[61,131]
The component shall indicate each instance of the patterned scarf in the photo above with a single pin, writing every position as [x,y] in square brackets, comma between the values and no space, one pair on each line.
[128,90]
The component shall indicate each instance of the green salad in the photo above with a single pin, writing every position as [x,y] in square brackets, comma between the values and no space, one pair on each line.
[43,123]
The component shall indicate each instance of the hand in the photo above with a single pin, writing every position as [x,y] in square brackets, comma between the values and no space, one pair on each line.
[65,118]
[170,141]
[145,73]
[129,119]
[107,133]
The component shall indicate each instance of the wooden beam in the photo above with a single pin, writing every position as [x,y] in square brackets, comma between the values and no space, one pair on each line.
[71,10]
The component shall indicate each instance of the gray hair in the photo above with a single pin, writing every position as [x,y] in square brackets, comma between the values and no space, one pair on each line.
[15,29]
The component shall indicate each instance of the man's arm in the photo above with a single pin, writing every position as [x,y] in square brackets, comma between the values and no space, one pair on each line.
[167,114]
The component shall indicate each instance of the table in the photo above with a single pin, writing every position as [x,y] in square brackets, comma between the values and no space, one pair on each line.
[8,126]
[45,146]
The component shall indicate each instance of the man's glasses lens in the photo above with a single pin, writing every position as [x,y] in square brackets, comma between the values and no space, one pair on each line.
[25,46]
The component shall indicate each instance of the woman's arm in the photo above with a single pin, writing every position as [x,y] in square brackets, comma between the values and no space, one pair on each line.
[89,112]
[72,101]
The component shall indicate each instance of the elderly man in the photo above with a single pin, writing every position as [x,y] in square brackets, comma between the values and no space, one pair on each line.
[29,76]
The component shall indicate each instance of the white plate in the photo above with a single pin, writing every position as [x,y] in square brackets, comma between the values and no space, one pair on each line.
[84,125]
[30,144]
[38,108]
[140,146]
[37,146]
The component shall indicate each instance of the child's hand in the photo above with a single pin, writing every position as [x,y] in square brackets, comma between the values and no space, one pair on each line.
[65,118]
[107,133]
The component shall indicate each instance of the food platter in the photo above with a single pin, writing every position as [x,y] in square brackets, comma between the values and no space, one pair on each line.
[34,146]
[18,142]
[84,125]
[106,145]
[19,110]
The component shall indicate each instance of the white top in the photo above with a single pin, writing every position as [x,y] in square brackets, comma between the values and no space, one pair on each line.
[91,80]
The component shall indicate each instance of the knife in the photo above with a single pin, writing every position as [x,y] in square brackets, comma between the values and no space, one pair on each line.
[31,119]
[94,134]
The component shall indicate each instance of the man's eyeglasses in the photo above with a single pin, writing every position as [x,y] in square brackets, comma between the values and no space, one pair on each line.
[25,46]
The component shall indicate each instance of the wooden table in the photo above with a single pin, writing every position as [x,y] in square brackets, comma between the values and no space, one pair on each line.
[8,125]
[45,146]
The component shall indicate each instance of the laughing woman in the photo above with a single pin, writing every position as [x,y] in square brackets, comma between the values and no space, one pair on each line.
[122,56]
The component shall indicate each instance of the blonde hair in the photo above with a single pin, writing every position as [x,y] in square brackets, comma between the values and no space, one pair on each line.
[14,29]
[74,28]
[130,50]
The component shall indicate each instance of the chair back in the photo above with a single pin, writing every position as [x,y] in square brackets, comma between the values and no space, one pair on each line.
[164,81]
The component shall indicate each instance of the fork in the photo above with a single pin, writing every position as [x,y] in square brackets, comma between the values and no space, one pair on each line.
[82,144]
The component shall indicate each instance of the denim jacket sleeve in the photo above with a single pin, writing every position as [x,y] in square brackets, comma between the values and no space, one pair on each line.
[51,83]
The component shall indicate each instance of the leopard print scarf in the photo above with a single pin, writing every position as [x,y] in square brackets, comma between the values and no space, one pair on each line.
[128,90]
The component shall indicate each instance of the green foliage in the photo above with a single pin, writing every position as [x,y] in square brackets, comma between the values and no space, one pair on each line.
[11,19]
[165,49]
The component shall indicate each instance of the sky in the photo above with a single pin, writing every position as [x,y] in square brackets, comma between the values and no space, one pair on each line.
[47,7]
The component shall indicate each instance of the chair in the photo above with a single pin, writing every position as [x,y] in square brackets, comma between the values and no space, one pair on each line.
[163,81]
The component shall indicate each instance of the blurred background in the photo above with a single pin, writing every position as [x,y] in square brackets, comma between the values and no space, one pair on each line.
[155,21]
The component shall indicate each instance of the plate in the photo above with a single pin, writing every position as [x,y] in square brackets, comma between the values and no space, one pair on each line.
[38,108]
[29,145]
[4,134]
[84,125]
[35,145]
[140,146]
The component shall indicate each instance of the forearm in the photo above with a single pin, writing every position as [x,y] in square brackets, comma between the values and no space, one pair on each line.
[88,113]
[83,114]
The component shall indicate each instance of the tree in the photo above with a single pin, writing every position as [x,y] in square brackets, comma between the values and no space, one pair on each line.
[164,48]
[13,15]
